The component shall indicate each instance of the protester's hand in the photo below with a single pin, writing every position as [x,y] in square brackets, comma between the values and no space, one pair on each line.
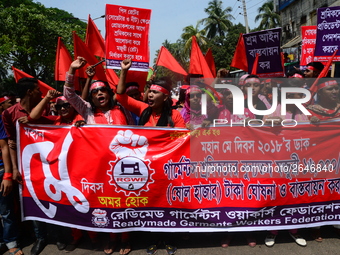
[6,187]
[276,120]
[23,120]
[12,144]
[314,120]
[126,64]
[80,123]
[206,123]
[190,126]
[78,63]
[17,176]
[126,143]
[90,71]
[51,94]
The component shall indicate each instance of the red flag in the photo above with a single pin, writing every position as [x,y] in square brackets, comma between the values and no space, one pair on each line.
[198,64]
[240,57]
[256,63]
[62,62]
[94,40]
[167,60]
[139,77]
[211,62]
[112,78]
[18,74]
[323,74]
[80,49]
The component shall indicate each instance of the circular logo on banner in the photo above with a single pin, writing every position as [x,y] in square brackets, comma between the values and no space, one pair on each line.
[129,174]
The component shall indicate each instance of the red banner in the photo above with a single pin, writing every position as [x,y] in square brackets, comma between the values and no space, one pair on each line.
[117,179]
[127,36]
[308,44]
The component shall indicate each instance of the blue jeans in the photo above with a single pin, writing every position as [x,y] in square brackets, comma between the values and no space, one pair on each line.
[8,228]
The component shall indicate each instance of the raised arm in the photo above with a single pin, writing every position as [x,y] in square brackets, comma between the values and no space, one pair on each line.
[125,65]
[39,109]
[90,71]
[76,64]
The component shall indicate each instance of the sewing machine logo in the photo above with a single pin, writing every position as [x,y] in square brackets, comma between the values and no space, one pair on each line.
[99,218]
[131,172]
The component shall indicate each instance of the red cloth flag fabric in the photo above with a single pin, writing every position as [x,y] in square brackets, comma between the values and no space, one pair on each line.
[167,60]
[112,78]
[18,74]
[94,40]
[198,64]
[80,49]
[256,63]
[240,58]
[211,62]
[62,62]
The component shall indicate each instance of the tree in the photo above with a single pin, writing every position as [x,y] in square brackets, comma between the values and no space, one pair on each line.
[190,31]
[30,34]
[269,18]
[218,21]
[223,48]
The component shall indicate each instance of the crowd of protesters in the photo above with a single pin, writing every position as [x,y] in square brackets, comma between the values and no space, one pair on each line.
[127,105]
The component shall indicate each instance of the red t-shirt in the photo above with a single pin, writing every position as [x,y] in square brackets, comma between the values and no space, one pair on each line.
[137,107]
[13,113]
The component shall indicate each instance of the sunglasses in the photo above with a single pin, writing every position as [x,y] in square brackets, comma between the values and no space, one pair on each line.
[195,95]
[96,90]
[64,105]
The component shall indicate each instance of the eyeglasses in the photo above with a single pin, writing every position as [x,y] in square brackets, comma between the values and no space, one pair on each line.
[64,105]
[195,95]
[96,90]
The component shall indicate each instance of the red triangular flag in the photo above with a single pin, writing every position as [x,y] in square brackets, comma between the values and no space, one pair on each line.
[94,40]
[18,74]
[80,49]
[240,57]
[62,62]
[211,62]
[256,63]
[198,64]
[112,78]
[167,60]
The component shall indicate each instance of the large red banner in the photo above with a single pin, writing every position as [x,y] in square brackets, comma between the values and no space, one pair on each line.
[121,178]
[127,36]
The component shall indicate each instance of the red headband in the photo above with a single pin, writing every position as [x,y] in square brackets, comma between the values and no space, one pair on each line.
[313,69]
[254,80]
[193,89]
[326,84]
[132,88]
[3,99]
[268,80]
[160,88]
[296,75]
[97,84]
[61,98]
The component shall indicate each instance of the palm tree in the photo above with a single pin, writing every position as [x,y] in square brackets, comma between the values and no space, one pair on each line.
[269,18]
[187,34]
[218,20]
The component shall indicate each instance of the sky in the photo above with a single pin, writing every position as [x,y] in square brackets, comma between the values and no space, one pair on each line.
[168,17]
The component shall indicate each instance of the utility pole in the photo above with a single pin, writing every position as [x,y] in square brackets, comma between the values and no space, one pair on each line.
[245,15]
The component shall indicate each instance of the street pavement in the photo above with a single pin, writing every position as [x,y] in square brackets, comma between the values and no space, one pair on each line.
[206,243]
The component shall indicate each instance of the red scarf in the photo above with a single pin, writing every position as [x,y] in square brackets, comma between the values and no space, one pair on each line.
[116,115]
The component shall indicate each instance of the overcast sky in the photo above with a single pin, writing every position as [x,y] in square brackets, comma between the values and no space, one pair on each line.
[168,17]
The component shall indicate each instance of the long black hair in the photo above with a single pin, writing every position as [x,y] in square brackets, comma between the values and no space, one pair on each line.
[166,115]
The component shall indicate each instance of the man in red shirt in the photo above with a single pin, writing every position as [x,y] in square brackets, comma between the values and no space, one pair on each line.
[30,96]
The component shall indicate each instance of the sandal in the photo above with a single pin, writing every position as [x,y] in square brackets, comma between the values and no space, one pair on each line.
[17,251]
[225,242]
[170,249]
[125,249]
[152,249]
[110,247]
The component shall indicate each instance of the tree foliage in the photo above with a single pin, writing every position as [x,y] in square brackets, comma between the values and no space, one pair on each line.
[30,34]
[269,18]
